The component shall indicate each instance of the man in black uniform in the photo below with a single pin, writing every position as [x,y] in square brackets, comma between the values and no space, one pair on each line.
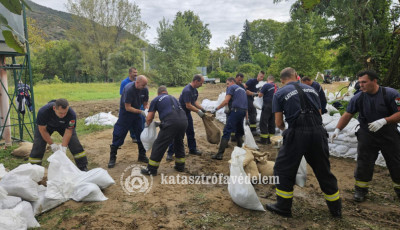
[379,113]
[172,129]
[251,91]
[134,95]
[305,136]
[235,119]
[239,81]
[306,80]
[188,101]
[57,116]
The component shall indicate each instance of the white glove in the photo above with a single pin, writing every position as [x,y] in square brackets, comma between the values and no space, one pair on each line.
[335,134]
[54,147]
[376,125]
[213,111]
[146,125]
[200,113]
[63,148]
[143,113]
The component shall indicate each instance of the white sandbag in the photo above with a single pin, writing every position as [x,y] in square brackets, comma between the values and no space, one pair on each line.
[240,188]
[44,204]
[332,145]
[148,136]
[23,181]
[3,171]
[3,193]
[88,192]
[97,176]
[351,153]
[330,108]
[341,149]
[258,102]
[10,202]
[301,176]
[25,211]
[11,220]
[332,125]
[380,160]
[101,119]
[326,119]
[248,138]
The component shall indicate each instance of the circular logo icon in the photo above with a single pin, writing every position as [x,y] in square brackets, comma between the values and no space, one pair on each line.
[132,181]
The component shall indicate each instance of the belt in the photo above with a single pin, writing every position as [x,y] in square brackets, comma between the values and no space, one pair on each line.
[239,109]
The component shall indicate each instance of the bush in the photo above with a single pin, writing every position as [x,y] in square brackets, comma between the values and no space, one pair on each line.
[249,70]
[222,75]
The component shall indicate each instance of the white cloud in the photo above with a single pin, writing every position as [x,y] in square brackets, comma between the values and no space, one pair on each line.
[225,17]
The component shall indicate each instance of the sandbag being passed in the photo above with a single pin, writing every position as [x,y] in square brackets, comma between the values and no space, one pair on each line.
[148,136]
[212,131]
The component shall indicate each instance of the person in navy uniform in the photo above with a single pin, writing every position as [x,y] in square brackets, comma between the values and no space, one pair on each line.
[134,95]
[306,80]
[57,116]
[189,103]
[267,119]
[378,113]
[235,119]
[239,81]
[251,91]
[172,129]
[306,137]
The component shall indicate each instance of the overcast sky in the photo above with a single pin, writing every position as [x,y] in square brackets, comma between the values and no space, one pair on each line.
[225,17]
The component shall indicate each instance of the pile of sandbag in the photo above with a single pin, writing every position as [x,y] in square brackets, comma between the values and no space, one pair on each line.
[101,119]
[256,162]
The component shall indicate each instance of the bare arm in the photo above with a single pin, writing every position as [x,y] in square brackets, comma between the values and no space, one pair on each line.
[191,107]
[45,134]
[279,120]
[196,103]
[224,102]
[129,108]
[146,105]
[260,94]
[150,117]
[344,120]
[395,118]
[67,137]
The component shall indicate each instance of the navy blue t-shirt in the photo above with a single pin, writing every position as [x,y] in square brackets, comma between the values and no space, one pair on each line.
[374,107]
[251,85]
[189,94]
[47,117]
[239,99]
[268,90]
[287,100]
[163,104]
[321,94]
[133,96]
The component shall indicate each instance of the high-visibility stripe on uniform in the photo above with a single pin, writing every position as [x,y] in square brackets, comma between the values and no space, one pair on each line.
[283,194]
[35,160]
[180,160]
[80,155]
[232,134]
[253,125]
[396,185]
[264,135]
[362,184]
[332,197]
[154,163]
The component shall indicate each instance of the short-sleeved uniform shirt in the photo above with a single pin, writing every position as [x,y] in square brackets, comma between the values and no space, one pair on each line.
[133,96]
[163,104]
[251,85]
[373,105]
[230,101]
[47,117]
[287,100]
[123,84]
[189,94]
[268,90]
[239,99]
[320,92]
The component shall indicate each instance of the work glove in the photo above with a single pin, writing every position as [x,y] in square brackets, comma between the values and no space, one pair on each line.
[376,125]
[247,122]
[335,134]
[63,148]
[200,113]
[255,94]
[203,110]
[213,111]
[146,125]
[54,147]
[143,113]
[157,123]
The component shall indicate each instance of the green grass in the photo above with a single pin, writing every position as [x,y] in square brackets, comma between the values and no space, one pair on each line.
[9,161]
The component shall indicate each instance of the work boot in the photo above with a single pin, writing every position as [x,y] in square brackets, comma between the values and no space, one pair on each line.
[335,207]
[142,153]
[134,140]
[150,170]
[221,150]
[239,141]
[113,156]
[169,158]
[195,152]
[233,138]
[262,141]
[282,206]
[85,169]
[268,141]
[359,194]
[180,167]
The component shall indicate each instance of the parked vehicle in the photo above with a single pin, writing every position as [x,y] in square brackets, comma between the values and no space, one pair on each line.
[209,80]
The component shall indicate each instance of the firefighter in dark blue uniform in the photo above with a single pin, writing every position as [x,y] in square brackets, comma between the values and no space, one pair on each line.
[379,113]
[189,103]
[251,91]
[305,136]
[267,119]
[235,118]
[133,96]
[239,81]
[172,129]
[57,116]
[306,80]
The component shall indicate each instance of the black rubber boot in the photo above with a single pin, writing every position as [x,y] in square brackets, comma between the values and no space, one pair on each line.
[262,141]
[180,167]
[268,141]
[150,170]
[233,138]
[85,169]
[239,141]
[360,193]
[195,152]
[282,206]
[335,207]
[142,153]
[113,156]
[221,150]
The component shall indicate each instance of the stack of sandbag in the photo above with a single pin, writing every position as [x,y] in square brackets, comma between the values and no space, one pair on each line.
[23,150]
[101,119]
[256,162]
[212,131]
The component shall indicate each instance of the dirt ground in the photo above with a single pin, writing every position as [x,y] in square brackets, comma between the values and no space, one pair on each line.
[202,206]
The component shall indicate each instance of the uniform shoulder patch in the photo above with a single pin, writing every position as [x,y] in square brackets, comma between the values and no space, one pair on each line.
[397,100]
[71,123]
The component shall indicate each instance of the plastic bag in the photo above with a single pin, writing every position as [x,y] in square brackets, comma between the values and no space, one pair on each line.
[88,192]
[248,138]
[258,102]
[25,211]
[240,188]
[44,204]
[301,176]
[12,220]
[148,136]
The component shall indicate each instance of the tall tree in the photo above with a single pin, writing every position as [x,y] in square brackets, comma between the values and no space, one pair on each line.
[264,34]
[244,44]
[232,48]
